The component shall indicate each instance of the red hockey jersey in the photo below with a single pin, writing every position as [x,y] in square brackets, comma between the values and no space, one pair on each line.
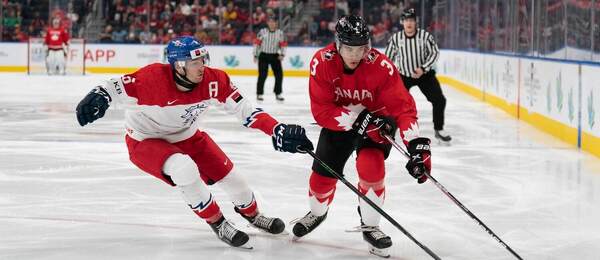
[56,37]
[155,108]
[337,97]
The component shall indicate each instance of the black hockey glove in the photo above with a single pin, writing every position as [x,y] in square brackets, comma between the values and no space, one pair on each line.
[92,106]
[291,138]
[420,158]
[374,127]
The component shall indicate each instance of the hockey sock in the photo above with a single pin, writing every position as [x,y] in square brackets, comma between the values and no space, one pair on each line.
[242,197]
[184,173]
[321,192]
[371,172]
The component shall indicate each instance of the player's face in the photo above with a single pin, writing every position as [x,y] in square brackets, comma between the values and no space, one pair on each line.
[195,70]
[352,55]
[410,25]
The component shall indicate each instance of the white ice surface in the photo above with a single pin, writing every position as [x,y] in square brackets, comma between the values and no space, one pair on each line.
[68,192]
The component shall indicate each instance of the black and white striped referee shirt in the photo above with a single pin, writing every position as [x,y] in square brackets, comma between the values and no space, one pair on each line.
[410,53]
[270,42]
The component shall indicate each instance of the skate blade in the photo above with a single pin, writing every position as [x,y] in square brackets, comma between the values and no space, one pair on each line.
[247,246]
[295,238]
[381,252]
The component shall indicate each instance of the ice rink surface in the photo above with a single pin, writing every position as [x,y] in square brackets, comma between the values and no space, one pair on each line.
[70,192]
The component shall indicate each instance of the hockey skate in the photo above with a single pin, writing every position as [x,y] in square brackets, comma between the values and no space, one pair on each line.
[266,224]
[306,224]
[443,137]
[231,235]
[379,242]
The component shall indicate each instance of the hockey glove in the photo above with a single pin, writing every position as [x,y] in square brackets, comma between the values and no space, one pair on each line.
[92,106]
[291,139]
[420,159]
[374,127]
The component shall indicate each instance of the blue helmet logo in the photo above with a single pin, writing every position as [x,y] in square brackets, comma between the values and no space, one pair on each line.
[186,48]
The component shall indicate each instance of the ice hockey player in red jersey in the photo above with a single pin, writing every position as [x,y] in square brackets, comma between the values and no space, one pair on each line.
[358,97]
[163,105]
[57,46]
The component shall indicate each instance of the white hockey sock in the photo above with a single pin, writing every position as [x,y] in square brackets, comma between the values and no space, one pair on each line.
[238,190]
[369,216]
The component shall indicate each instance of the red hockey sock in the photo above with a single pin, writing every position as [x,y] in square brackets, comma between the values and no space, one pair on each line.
[322,188]
[250,210]
[211,213]
[371,170]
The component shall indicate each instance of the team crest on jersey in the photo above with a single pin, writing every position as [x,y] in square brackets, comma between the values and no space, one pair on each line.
[191,113]
[327,55]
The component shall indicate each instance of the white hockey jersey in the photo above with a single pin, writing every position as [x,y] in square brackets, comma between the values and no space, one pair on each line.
[155,108]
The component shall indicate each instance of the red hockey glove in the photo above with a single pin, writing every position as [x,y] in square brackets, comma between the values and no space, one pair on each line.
[374,127]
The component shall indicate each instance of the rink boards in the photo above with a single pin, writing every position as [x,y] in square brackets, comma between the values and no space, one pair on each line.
[561,98]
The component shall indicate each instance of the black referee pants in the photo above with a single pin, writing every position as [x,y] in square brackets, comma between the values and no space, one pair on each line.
[264,60]
[431,89]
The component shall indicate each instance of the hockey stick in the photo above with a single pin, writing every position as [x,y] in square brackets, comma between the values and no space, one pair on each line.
[460,205]
[370,202]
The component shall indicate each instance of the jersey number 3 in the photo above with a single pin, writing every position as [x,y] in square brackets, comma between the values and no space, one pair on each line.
[385,63]
[313,66]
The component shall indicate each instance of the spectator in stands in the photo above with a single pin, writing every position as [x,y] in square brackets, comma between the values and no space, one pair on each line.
[185,8]
[119,34]
[342,7]
[11,20]
[248,37]
[187,30]
[73,17]
[228,35]
[230,13]
[18,35]
[259,18]
[145,36]
[106,35]
[201,35]
[38,23]
[132,36]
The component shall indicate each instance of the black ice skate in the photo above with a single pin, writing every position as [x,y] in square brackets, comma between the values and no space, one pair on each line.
[279,98]
[379,242]
[267,224]
[230,235]
[442,136]
[307,224]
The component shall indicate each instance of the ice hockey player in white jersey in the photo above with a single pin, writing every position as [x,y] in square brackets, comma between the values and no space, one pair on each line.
[163,105]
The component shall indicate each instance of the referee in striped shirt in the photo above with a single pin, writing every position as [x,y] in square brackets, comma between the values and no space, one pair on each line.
[269,49]
[414,53]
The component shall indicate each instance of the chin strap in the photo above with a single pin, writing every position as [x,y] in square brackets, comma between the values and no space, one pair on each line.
[182,80]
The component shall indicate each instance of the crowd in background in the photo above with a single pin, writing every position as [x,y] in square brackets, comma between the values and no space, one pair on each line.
[493,25]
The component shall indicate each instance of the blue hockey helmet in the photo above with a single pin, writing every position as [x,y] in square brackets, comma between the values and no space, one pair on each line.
[186,48]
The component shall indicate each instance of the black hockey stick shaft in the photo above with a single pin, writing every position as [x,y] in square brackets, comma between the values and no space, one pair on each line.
[458,203]
[371,203]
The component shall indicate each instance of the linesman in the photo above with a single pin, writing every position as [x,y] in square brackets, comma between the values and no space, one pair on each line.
[414,53]
[269,49]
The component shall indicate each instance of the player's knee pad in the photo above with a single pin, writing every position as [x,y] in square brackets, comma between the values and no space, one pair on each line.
[182,169]
[370,164]
[237,188]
